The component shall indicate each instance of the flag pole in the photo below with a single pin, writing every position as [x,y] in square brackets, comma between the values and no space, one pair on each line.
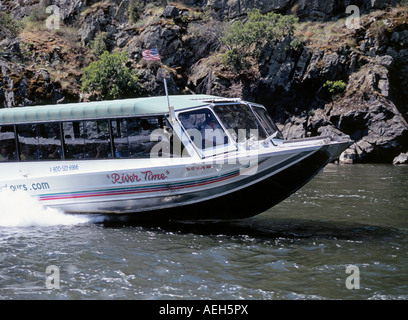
[153,55]
[171,109]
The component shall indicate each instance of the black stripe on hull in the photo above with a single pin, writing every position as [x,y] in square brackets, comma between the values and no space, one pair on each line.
[248,201]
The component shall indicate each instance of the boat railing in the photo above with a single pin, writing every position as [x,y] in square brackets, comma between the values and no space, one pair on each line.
[310,141]
[328,138]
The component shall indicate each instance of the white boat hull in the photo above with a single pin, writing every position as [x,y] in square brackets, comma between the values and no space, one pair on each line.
[236,186]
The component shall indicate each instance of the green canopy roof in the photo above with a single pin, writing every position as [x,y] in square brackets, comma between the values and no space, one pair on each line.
[101,109]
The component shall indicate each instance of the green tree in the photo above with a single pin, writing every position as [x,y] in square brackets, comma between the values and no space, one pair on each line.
[109,77]
[243,40]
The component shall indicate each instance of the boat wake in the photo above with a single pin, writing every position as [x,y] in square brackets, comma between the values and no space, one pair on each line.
[21,210]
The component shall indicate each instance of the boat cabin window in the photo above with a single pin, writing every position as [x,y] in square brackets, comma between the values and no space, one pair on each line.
[28,142]
[90,139]
[40,141]
[87,139]
[240,121]
[267,122]
[132,136]
[7,144]
[49,141]
[203,128]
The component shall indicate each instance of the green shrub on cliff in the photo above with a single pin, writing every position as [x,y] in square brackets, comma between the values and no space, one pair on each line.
[244,40]
[9,27]
[135,10]
[98,45]
[110,78]
[335,88]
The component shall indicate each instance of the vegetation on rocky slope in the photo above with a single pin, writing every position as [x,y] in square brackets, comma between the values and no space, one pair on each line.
[108,77]
[301,59]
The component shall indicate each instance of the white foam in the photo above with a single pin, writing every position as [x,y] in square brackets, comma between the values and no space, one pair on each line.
[18,209]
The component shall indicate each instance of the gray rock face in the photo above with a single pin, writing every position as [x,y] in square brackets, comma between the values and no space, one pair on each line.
[21,87]
[170,12]
[312,9]
[401,159]
[370,119]
[290,82]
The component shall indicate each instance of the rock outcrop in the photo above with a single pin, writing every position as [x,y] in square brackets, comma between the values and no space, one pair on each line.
[401,159]
[45,66]
[308,9]
[372,110]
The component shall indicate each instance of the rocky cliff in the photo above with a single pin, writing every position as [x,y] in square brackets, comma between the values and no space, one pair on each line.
[40,64]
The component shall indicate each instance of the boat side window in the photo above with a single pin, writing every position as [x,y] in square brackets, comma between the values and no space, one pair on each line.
[267,122]
[97,139]
[132,136]
[41,141]
[203,128]
[28,142]
[7,144]
[87,139]
[90,139]
[74,138]
[119,129]
[240,122]
[49,141]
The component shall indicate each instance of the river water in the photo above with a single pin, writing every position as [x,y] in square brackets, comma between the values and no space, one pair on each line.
[343,236]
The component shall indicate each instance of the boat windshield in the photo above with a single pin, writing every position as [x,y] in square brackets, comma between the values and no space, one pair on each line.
[203,128]
[240,122]
[267,122]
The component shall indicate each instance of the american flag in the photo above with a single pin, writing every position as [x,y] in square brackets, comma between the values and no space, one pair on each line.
[151,54]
